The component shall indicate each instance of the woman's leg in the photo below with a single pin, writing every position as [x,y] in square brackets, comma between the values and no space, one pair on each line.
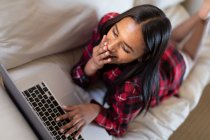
[195,25]
[182,30]
[192,45]
[204,12]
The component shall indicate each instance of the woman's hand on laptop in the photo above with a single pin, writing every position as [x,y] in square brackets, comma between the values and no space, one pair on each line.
[80,115]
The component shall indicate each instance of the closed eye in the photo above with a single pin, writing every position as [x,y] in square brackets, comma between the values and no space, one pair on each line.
[122,46]
[114,33]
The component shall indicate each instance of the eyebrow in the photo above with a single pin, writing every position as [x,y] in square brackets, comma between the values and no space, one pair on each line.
[124,42]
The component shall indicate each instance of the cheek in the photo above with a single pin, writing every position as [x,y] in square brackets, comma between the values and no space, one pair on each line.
[125,58]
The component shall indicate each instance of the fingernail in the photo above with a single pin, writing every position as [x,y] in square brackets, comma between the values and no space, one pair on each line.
[64,106]
[76,137]
[67,135]
[104,47]
[107,53]
[57,119]
[105,43]
[61,130]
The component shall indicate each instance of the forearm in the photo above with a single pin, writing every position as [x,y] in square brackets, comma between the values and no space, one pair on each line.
[90,69]
[82,74]
[182,30]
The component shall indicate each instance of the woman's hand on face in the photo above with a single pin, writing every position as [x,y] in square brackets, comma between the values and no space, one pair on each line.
[101,54]
[79,115]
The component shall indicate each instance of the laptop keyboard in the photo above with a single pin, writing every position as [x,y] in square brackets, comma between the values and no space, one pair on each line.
[47,108]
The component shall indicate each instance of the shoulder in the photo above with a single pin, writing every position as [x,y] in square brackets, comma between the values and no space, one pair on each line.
[107,17]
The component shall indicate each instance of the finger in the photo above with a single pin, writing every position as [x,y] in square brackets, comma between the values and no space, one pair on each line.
[106,61]
[102,50]
[103,40]
[66,115]
[103,44]
[75,128]
[78,132]
[74,121]
[104,55]
[69,108]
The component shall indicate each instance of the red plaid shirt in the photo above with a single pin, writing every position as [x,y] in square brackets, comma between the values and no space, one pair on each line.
[126,102]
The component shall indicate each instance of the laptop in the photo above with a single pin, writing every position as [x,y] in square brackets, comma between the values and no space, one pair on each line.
[39,97]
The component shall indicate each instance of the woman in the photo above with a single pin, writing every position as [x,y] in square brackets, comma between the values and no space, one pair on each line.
[131,53]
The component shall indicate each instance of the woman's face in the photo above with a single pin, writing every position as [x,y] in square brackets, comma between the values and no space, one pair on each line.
[125,41]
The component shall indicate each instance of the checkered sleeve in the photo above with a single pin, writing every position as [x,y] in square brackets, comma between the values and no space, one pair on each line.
[124,107]
[77,73]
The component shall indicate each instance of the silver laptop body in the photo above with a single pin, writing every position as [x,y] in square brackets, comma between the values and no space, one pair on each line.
[52,83]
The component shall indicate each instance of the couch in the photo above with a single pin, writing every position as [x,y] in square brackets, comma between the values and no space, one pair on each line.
[39,33]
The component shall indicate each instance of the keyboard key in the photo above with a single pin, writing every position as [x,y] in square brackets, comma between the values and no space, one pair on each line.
[43,109]
[34,104]
[52,106]
[45,96]
[31,99]
[43,101]
[55,103]
[31,89]
[47,123]
[49,93]
[41,114]
[45,89]
[40,96]
[27,94]
[60,110]
[56,127]
[50,111]
[36,91]
[37,100]
[44,118]
[49,118]
[33,95]
[48,101]
[46,105]
[46,114]
[51,128]
[54,133]
[58,137]
[63,137]
[53,124]
[40,89]
[59,124]
[55,110]
[40,104]
[43,84]
[37,109]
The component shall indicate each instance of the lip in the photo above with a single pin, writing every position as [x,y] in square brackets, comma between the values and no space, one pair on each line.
[112,56]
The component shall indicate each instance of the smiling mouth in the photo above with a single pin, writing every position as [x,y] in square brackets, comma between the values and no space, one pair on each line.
[112,57]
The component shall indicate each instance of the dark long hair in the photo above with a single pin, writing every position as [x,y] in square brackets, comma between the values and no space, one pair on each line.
[156,29]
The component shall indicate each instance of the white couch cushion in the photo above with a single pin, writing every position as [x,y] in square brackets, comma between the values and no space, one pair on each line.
[30,29]
[159,3]
[105,6]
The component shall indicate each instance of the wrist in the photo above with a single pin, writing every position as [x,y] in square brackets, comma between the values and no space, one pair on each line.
[90,68]
[96,108]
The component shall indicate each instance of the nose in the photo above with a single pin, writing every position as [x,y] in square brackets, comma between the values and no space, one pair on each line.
[112,46]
